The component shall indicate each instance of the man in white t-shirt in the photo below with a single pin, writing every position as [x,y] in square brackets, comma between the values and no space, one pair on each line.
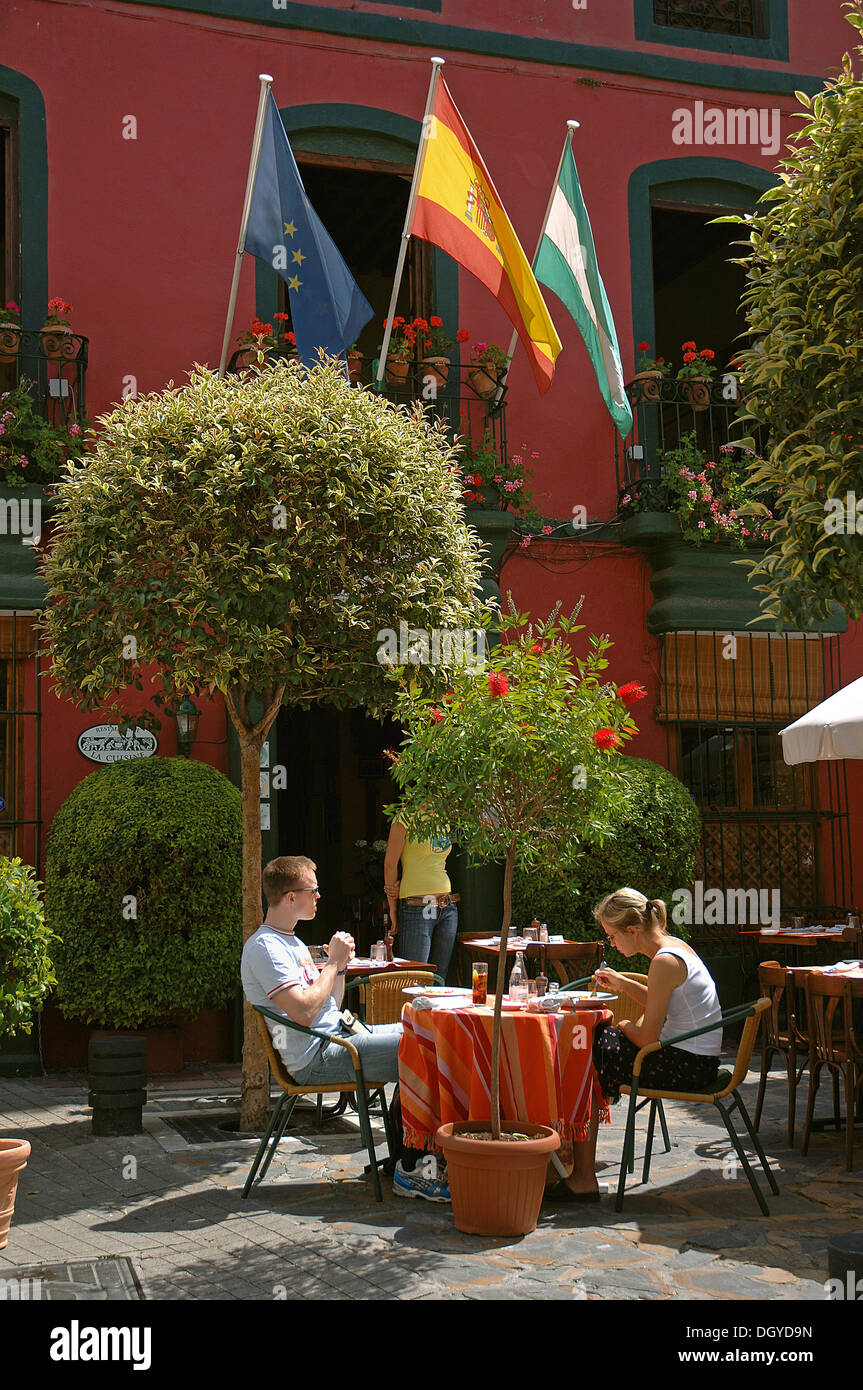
[278,973]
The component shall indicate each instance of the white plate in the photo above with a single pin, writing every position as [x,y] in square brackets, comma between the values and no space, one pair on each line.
[584,994]
[434,990]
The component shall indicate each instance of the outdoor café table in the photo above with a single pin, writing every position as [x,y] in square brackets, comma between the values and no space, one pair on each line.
[546,952]
[363,965]
[856,977]
[546,1069]
[800,943]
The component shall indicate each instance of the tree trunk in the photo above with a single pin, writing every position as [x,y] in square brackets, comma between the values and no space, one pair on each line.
[498,996]
[256,1076]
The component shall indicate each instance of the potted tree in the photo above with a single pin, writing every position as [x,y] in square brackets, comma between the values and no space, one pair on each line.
[143,881]
[25,978]
[515,759]
[10,331]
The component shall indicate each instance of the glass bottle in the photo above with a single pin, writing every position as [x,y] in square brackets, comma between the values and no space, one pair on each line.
[518,981]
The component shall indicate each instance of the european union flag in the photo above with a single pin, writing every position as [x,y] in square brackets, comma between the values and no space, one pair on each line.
[328,308]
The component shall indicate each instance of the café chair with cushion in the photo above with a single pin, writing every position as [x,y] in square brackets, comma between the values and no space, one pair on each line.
[292,1089]
[780,1033]
[726,1085]
[380,996]
[832,1044]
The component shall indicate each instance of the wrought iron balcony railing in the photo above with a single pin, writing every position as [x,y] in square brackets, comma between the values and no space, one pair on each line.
[665,412]
[745,18]
[53,364]
[450,393]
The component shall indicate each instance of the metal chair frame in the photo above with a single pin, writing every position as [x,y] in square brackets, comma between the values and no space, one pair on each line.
[292,1090]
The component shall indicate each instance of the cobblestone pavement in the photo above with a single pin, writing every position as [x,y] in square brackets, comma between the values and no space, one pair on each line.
[172,1220]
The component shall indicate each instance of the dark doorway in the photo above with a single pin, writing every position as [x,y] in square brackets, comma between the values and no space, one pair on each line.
[338,785]
[696,288]
[363,209]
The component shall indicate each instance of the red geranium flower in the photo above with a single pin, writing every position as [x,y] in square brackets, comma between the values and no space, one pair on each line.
[498,684]
[688,347]
[462,335]
[688,357]
[708,353]
[435,321]
[632,692]
[606,738]
[644,347]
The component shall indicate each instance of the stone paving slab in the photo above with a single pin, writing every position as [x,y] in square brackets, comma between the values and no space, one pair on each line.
[313,1231]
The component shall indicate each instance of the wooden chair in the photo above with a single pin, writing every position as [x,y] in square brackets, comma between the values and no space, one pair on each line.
[726,1084]
[832,1044]
[780,1033]
[380,996]
[292,1089]
[566,958]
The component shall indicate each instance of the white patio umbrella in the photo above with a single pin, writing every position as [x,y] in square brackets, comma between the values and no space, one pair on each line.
[830,731]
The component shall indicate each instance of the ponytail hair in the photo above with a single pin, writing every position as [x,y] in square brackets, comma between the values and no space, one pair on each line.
[629,908]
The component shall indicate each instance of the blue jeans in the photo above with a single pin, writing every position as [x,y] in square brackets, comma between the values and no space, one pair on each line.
[379,1053]
[427,933]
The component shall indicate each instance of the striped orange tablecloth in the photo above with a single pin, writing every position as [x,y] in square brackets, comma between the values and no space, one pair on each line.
[546,1070]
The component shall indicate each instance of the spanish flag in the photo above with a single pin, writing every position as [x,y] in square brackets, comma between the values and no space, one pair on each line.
[458,209]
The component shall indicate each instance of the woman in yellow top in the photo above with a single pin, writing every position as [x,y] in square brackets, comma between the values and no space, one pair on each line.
[422,906]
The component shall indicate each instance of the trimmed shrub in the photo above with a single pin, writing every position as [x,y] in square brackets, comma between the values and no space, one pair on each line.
[652,847]
[143,884]
[25,968]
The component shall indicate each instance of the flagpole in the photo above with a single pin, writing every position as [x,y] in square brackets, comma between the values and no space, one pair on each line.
[266,82]
[570,127]
[437,64]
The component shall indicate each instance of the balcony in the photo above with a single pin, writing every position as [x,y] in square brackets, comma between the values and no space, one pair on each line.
[455,400]
[53,365]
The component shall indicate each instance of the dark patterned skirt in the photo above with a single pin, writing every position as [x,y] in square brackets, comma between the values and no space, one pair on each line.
[671,1069]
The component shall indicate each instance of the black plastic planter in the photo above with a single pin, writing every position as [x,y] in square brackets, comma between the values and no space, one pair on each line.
[117,1078]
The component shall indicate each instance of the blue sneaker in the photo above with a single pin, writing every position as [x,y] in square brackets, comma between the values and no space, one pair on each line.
[416,1184]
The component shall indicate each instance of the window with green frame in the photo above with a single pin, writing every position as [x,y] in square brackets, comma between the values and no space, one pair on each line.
[756,28]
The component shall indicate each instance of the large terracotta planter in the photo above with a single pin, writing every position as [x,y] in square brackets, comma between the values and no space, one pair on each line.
[58,344]
[696,390]
[436,367]
[355,367]
[484,381]
[10,341]
[496,1188]
[13,1157]
[397,370]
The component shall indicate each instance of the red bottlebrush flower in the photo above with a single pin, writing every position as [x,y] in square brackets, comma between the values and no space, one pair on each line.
[688,347]
[498,685]
[436,715]
[643,347]
[631,693]
[688,357]
[448,698]
[606,738]
[435,321]
[391,755]
[462,335]
[537,647]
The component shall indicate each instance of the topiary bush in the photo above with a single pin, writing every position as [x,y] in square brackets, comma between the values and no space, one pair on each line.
[652,846]
[25,941]
[143,883]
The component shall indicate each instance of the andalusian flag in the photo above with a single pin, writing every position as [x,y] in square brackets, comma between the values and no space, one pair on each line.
[458,209]
[566,263]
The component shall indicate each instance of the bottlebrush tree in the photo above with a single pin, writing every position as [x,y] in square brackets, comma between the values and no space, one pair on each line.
[516,758]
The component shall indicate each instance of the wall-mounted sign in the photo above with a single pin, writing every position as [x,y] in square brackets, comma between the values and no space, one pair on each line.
[105,744]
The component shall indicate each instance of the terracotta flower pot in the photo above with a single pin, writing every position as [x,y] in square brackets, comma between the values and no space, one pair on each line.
[484,381]
[355,366]
[13,1157]
[696,390]
[649,384]
[10,341]
[58,344]
[437,367]
[397,370]
[496,1187]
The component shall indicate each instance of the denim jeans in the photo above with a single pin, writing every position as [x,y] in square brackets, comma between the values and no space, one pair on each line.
[379,1053]
[427,933]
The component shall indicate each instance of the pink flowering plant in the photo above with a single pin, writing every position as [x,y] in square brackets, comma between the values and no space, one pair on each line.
[483,468]
[10,313]
[488,355]
[31,449]
[519,760]
[712,498]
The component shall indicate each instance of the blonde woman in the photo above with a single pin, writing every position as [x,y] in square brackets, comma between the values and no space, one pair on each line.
[679,995]
[421,902]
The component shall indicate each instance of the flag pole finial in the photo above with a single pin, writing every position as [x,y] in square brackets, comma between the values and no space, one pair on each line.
[437,62]
[573,125]
[265,77]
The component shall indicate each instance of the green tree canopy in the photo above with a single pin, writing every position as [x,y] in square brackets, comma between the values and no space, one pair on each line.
[803,373]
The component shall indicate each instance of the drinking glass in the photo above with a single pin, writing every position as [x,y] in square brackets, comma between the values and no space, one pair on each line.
[480,982]
[530,934]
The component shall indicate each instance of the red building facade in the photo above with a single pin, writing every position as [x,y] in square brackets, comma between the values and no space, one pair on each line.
[126,132]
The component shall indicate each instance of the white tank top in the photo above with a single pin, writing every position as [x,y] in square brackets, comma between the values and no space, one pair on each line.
[693,1004]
